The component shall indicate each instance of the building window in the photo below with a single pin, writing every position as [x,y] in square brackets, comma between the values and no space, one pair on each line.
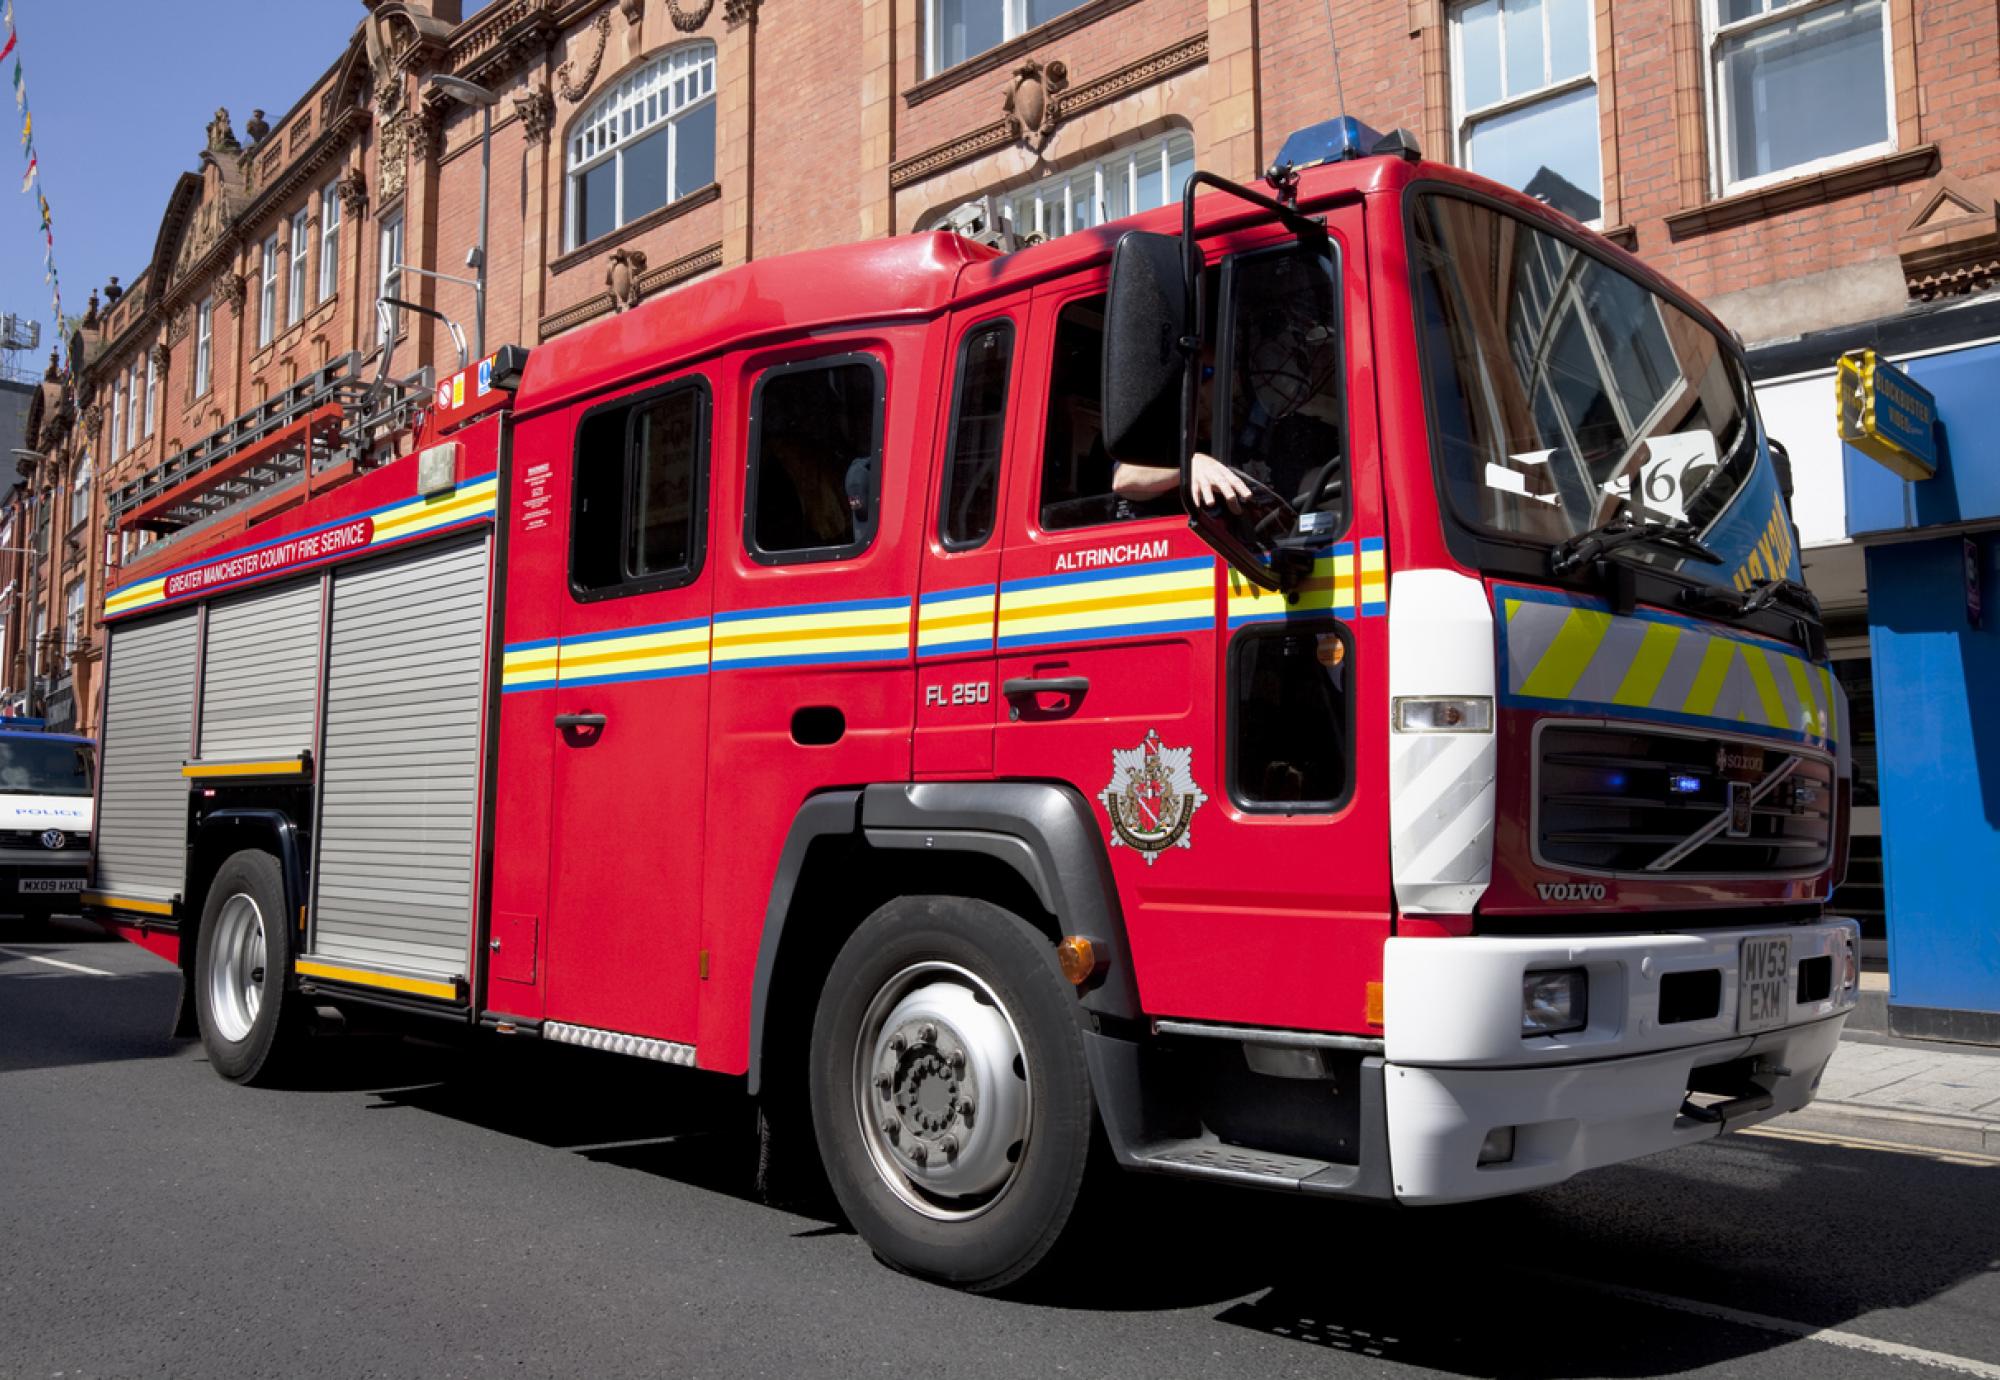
[73,615]
[267,301]
[648,142]
[1525,99]
[79,491]
[961,29]
[389,281]
[117,416]
[1796,86]
[295,300]
[329,239]
[152,388]
[204,345]
[1131,180]
[133,393]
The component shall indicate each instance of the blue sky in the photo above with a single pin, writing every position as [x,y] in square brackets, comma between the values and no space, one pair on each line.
[122,92]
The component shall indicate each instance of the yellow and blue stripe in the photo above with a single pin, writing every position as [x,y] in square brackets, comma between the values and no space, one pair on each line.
[1140,600]
[530,665]
[1374,578]
[956,621]
[1331,588]
[473,501]
[853,630]
[659,651]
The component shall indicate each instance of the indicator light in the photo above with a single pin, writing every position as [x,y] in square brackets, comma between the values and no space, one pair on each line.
[1078,957]
[1684,785]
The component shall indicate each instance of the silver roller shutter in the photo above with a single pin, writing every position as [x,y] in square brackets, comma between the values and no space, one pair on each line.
[141,834]
[399,762]
[260,675]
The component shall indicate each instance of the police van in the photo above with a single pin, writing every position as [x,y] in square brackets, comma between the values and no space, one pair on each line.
[45,818]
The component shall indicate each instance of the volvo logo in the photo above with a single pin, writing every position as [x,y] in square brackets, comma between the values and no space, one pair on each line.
[1725,760]
[1571,891]
[54,838]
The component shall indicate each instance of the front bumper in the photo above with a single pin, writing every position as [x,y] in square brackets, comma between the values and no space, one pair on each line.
[1458,1069]
[42,879]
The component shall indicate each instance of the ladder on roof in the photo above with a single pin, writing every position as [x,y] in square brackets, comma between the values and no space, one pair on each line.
[326,419]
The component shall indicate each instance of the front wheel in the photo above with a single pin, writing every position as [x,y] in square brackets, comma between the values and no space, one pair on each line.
[949,1093]
[242,960]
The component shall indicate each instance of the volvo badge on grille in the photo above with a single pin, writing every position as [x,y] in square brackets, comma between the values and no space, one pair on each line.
[54,838]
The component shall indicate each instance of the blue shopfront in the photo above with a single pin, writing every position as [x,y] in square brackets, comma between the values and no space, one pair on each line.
[1933,581]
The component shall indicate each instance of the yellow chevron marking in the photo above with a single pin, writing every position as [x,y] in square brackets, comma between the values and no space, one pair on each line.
[1832,721]
[1766,685]
[1714,670]
[1568,656]
[1513,607]
[1649,665]
[1814,713]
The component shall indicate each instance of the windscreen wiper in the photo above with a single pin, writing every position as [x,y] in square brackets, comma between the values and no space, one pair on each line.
[1761,595]
[1628,530]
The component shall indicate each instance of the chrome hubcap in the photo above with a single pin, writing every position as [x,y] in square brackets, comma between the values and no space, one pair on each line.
[941,1091]
[236,977]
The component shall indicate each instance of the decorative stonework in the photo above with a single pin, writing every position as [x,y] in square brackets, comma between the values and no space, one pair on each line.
[93,417]
[736,13]
[1951,246]
[621,277]
[426,132]
[229,290]
[353,190]
[177,325]
[257,127]
[161,357]
[1031,104]
[537,109]
[1074,101]
[650,281]
[221,138]
[572,87]
[392,149]
[689,20]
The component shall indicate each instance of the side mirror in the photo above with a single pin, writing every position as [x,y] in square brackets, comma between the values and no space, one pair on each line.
[1145,320]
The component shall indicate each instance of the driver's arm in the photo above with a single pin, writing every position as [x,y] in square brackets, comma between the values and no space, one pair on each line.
[1214,482]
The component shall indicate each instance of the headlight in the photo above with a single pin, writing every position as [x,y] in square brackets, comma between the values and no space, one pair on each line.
[1438,714]
[1554,1001]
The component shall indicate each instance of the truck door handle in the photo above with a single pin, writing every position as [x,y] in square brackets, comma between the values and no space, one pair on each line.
[1045,685]
[580,721]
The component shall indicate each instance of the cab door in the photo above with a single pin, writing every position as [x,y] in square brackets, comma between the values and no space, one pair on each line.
[1231,741]
[958,693]
[629,717]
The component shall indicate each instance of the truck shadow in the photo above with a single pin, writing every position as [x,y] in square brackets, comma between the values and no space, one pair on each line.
[1550,1284]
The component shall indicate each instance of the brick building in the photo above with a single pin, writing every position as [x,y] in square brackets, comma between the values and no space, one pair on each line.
[1819,172]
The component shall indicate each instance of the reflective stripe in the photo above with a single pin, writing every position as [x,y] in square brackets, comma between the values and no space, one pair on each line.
[1568,655]
[366,977]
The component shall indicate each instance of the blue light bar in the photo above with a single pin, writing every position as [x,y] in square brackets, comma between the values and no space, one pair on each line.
[1684,785]
[1329,141]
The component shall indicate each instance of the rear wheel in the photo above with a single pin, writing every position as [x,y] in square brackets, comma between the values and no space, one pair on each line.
[949,1092]
[243,959]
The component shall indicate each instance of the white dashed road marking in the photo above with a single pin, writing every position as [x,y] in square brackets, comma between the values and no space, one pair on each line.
[58,963]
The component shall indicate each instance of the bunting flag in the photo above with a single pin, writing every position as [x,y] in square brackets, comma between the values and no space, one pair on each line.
[28,178]
[12,39]
[33,170]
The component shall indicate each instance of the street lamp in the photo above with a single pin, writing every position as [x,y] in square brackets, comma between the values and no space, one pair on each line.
[474,94]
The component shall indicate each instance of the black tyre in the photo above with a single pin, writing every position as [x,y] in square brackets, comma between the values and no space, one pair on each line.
[243,961]
[949,1094]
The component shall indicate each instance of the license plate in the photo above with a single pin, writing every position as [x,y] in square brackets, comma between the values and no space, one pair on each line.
[1767,969]
[38,885]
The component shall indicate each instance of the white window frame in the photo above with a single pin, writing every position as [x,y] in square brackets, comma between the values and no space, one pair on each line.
[133,407]
[1463,119]
[1715,33]
[296,277]
[152,389]
[636,106]
[329,240]
[79,490]
[118,415]
[388,276]
[75,600]
[204,347]
[267,293]
[1013,23]
[1132,157]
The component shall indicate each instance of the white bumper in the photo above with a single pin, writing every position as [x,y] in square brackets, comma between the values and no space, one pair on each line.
[1458,1068]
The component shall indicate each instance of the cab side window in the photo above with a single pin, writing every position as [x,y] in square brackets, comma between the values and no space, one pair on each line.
[1076,469]
[815,460]
[1291,720]
[978,425]
[641,489]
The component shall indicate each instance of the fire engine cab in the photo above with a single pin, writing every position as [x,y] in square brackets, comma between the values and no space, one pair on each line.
[1306,687]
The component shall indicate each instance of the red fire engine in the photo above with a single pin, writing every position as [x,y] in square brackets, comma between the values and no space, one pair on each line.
[825,675]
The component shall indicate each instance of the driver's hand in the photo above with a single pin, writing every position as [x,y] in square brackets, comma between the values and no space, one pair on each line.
[1214,482]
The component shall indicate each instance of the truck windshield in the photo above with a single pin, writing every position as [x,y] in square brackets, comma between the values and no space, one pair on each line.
[44,766]
[1558,386]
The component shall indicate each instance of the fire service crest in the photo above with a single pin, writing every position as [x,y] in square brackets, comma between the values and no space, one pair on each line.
[1152,796]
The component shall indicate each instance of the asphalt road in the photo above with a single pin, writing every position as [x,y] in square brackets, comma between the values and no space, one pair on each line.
[506,1209]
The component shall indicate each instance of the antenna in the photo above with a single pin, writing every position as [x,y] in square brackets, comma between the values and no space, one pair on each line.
[1347,149]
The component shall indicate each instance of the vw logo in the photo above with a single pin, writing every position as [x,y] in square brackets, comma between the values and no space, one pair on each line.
[54,838]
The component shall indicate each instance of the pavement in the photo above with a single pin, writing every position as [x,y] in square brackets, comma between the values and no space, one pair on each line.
[503,1207]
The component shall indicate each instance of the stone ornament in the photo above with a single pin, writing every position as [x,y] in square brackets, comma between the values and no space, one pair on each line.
[230,288]
[688,21]
[222,138]
[257,127]
[537,109]
[739,12]
[353,191]
[622,277]
[573,89]
[1032,108]
[426,132]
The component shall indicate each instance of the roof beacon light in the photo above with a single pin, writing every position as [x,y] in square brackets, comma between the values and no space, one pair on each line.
[1339,139]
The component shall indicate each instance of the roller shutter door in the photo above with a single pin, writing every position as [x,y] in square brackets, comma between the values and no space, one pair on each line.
[260,675]
[399,763]
[141,833]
